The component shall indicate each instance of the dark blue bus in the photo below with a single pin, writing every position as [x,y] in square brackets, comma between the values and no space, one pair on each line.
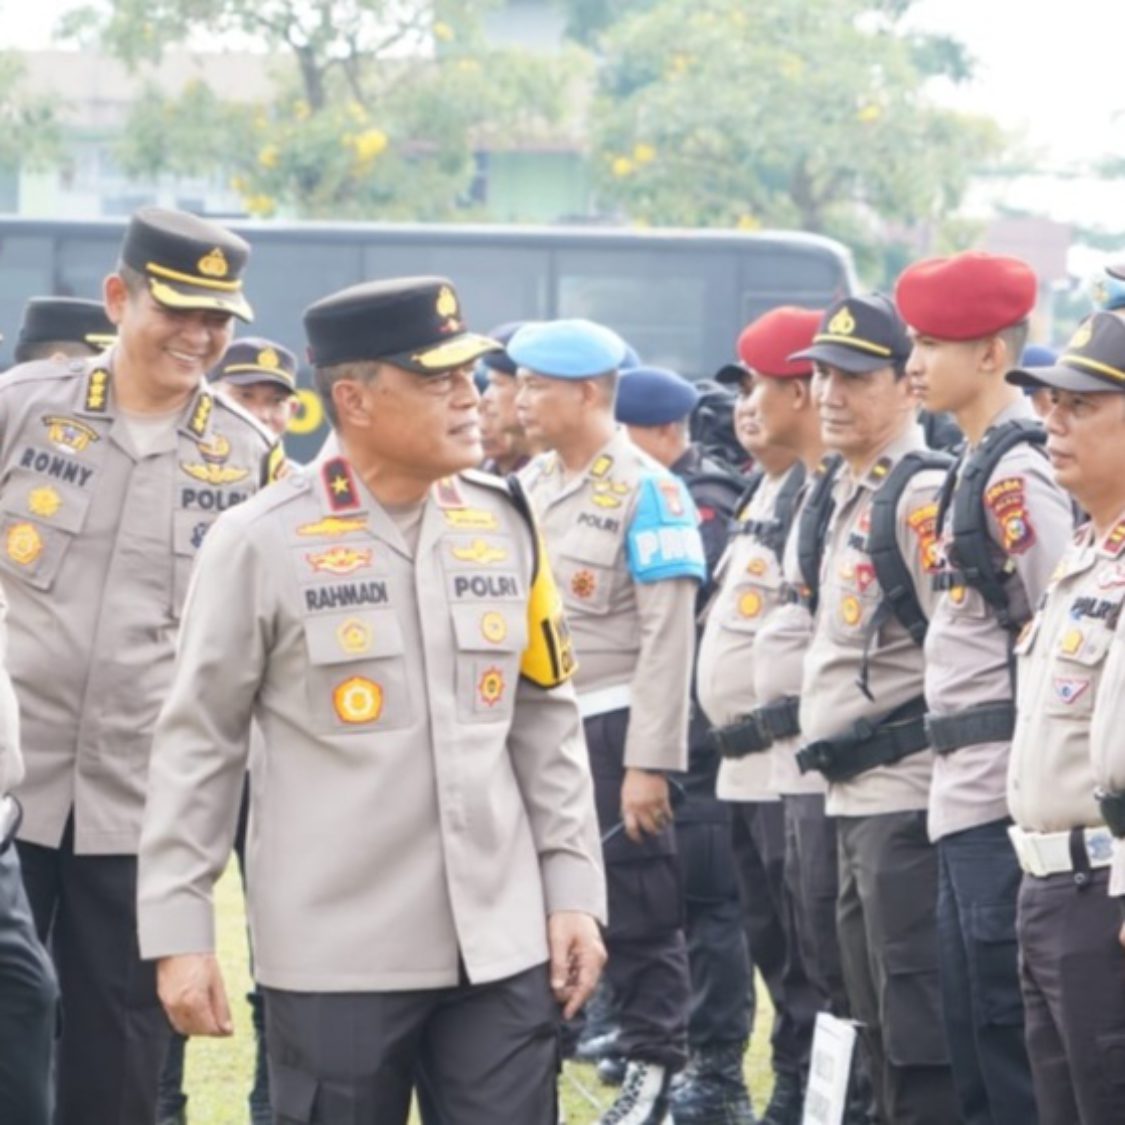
[679,297]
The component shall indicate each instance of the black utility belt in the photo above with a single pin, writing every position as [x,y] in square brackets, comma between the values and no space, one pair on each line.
[987,722]
[867,744]
[756,732]
[1113,811]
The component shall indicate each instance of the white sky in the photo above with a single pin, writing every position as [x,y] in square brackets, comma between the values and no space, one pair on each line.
[1048,70]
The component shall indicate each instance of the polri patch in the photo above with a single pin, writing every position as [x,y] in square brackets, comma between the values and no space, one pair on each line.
[1007,501]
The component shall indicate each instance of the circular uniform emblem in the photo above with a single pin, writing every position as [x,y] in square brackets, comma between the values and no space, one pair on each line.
[757,567]
[24,543]
[358,700]
[583,584]
[491,686]
[43,502]
[355,637]
[493,627]
[851,611]
[750,604]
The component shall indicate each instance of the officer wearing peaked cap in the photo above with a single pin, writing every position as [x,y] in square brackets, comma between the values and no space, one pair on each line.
[773,418]
[1067,744]
[62,327]
[654,405]
[435,727]
[261,376]
[112,469]
[621,533]
[1003,523]
[862,705]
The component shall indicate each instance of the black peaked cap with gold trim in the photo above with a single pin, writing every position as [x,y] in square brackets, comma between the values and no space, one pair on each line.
[254,359]
[190,263]
[412,322]
[69,319]
[1093,361]
[858,334]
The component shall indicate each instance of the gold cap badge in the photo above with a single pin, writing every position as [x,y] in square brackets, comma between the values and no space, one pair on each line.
[842,324]
[214,264]
[268,358]
[446,302]
[1082,337]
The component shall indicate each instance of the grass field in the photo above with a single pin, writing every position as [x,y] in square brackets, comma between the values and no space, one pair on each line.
[219,1070]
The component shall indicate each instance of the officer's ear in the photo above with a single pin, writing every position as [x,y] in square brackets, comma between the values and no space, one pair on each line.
[801,392]
[116,297]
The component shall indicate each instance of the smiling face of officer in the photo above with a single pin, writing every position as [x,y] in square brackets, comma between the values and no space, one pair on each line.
[167,350]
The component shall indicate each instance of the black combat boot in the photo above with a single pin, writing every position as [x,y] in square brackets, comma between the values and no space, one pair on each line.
[713,1090]
[643,1097]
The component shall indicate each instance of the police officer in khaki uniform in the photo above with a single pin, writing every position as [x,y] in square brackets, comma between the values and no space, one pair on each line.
[422,833]
[62,328]
[1072,968]
[655,405]
[112,470]
[28,992]
[771,387]
[622,536]
[861,706]
[261,377]
[1004,524]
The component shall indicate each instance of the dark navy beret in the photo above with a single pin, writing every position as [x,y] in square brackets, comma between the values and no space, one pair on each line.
[654,396]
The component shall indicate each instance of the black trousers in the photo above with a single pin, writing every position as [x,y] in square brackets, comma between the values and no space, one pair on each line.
[478,1053]
[722,994]
[114,1031]
[888,942]
[648,964]
[28,1001]
[758,834]
[978,882]
[1072,971]
[812,878]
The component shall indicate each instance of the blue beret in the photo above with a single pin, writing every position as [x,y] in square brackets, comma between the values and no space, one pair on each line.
[1038,355]
[567,349]
[653,396]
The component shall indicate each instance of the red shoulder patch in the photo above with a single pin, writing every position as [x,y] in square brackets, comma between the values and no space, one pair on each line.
[1007,501]
[923,522]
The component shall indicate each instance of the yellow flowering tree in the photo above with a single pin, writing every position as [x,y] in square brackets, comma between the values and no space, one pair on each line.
[376,108]
[809,114]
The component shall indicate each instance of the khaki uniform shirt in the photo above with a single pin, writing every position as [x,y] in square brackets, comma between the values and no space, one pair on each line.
[831,700]
[11,764]
[416,799]
[749,578]
[628,630]
[785,636]
[96,547]
[1030,522]
[1062,658]
[1107,734]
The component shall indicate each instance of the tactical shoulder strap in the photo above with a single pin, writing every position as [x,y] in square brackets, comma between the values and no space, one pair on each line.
[900,599]
[753,483]
[971,553]
[812,526]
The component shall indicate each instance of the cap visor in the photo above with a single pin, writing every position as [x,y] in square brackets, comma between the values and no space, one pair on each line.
[1062,378]
[176,295]
[100,340]
[846,359]
[730,374]
[454,352]
[258,375]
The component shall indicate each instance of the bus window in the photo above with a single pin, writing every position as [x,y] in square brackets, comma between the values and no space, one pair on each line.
[25,271]
[667,304]
[496,283]
[84,263]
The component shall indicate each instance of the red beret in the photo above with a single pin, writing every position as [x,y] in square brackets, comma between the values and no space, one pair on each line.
[767,343]
[967,296]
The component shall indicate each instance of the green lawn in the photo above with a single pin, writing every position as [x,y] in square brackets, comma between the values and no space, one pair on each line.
[219,1070]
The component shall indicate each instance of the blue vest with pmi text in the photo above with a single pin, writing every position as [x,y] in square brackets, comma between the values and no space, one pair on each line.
[663,539]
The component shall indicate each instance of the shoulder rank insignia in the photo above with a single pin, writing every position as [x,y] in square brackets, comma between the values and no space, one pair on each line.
[601,466]
[201,415]
[97,391]
[339,485]
[1114,542]
[880,471]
